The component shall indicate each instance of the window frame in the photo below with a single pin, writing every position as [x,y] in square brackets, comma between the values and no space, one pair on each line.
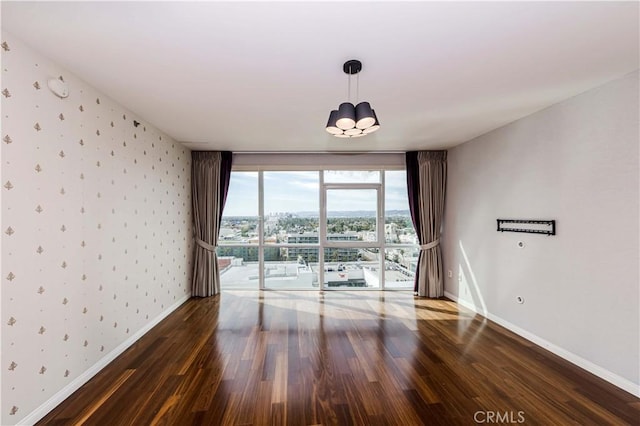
[381,245]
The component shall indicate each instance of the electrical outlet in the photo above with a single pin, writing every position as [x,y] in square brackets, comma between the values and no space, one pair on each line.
[450,273]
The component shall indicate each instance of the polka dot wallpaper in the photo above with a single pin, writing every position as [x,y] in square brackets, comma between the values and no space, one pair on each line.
[96,228]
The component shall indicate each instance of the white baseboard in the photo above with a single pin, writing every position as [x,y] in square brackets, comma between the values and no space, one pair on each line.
[464,303]
[614,379]
[65,392]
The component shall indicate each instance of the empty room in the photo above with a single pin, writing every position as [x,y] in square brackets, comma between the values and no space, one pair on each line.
[320,213]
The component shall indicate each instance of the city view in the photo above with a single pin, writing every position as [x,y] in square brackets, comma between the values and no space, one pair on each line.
[291,251]
[354,254]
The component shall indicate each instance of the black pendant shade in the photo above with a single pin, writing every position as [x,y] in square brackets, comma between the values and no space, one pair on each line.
[364,116]
[346,116]
[350,121]
[375,125]
[331,124]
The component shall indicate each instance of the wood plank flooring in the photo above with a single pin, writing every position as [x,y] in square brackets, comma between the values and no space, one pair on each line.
[338,358]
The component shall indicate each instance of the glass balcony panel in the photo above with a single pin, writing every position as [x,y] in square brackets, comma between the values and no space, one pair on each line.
[351,268]
[239,268]
[400,267]
[299,271]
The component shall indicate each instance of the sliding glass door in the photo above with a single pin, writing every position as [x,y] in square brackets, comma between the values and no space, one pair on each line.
[351,221]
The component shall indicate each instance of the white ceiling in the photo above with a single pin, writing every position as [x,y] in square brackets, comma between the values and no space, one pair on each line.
[263,76]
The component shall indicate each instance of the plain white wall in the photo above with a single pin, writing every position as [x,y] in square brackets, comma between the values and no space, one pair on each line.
[575,162]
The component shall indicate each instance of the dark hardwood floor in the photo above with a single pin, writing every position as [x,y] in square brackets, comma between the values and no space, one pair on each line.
[362,358]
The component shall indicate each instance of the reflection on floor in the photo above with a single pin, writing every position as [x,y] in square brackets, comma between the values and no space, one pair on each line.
[339,358]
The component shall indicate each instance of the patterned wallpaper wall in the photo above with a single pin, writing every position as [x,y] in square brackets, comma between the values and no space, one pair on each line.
[96,228]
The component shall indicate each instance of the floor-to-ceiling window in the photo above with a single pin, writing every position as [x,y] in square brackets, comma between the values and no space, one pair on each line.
[238,243]
[317,229]
[290,229]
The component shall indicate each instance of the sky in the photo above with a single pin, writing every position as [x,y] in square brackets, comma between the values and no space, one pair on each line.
[291,192]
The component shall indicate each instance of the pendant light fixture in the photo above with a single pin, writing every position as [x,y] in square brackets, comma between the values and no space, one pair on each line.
[349,121]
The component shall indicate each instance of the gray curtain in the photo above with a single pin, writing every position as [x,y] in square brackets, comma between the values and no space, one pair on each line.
[210,173]
[426,183]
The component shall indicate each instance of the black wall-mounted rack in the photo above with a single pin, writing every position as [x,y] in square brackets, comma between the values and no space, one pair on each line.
[549,226]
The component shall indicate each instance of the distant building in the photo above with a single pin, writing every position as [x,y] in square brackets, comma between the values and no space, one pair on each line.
[226,233]
[391,232]
[310,254]
[249,254]
[370,236]
[409,237]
